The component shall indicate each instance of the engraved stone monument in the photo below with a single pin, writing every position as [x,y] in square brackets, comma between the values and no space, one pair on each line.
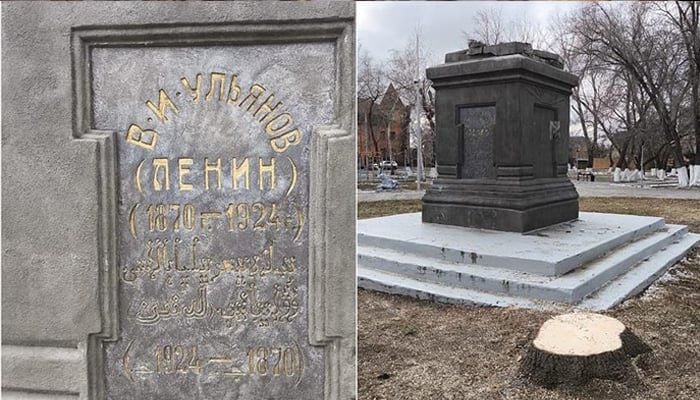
[500,226]
[219,139]
[502,140]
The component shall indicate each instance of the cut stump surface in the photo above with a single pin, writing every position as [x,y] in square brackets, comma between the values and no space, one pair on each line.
[574,348]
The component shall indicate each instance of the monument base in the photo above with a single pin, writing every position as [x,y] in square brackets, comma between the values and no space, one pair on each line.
[503,205]
[593,263]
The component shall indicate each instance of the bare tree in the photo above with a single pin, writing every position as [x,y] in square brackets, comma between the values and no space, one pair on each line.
[406,71]
[587,95]
[371,84]
[639,70]
[685,17]
[490,27]
[628,119]
[638,41]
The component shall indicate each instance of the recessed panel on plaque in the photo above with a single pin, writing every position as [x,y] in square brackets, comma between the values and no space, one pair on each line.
[544,140]
[478,125]
[212,220]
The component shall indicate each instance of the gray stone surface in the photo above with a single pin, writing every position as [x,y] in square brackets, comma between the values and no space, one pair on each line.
[231,283]
[508,171]
[120,283]
[552,251]
[603,259]
[607,189]
[479,49]
[477,143]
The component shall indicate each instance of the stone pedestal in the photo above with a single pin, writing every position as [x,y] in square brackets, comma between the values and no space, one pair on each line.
[502,140]
[593,263]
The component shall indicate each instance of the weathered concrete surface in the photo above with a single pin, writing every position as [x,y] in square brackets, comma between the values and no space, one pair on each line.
[606,189]
[65,366]
[570,288]
[20,395]
[618,258]
[53,200]
[369,196]
[552,251]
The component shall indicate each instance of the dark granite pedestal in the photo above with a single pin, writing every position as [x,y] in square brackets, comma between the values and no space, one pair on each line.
[502,116]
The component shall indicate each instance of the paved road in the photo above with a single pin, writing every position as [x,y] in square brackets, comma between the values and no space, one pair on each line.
[363,195]
[607,189]
[585,189]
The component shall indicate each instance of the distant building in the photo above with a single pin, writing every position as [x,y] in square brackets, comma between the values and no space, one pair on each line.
[578,152]
[373,119]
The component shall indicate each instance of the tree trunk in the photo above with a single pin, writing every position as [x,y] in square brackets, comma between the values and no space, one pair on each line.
[375,142]
[696,119]
[574,348]
[695,163]
[622,161]
[390,119]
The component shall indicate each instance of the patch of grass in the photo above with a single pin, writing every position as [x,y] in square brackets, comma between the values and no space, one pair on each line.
[675,211]
[389,207]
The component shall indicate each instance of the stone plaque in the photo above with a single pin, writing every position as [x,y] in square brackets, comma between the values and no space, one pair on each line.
[213,205]
[478,124]
[218,293]
[190,233]
[546,129]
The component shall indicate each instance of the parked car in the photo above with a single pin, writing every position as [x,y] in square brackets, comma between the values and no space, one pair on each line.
[386,164]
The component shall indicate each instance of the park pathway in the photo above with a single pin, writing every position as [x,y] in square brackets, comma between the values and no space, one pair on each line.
[585,189]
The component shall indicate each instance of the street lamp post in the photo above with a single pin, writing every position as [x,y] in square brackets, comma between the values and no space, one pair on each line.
[419,131]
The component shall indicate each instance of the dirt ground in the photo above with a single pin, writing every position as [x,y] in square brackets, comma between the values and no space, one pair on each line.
[410,349]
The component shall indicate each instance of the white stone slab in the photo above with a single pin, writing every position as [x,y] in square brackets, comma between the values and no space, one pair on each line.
[569,288]
[396,284]
[625,286]
[640,277]
[551,251]
[618,256]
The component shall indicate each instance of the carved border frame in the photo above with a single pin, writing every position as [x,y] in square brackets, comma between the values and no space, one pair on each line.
[331,298]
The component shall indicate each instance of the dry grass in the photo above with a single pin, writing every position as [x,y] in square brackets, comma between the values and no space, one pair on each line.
[675,211]
[410,349]
[389,207]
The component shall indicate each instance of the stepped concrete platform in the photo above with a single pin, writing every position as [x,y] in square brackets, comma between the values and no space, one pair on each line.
[594,262]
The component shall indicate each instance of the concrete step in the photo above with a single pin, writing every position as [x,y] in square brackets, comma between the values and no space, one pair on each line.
[450,274]
[552,251]
[641,276]
[569,288]
[396,284]
[596,274]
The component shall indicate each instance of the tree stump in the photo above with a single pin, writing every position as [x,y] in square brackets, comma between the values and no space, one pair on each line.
[574,348]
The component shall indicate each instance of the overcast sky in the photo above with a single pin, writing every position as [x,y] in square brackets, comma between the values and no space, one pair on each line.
[386,25]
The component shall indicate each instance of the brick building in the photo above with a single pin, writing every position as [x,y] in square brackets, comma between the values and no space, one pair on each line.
[578,152]
[373,118]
